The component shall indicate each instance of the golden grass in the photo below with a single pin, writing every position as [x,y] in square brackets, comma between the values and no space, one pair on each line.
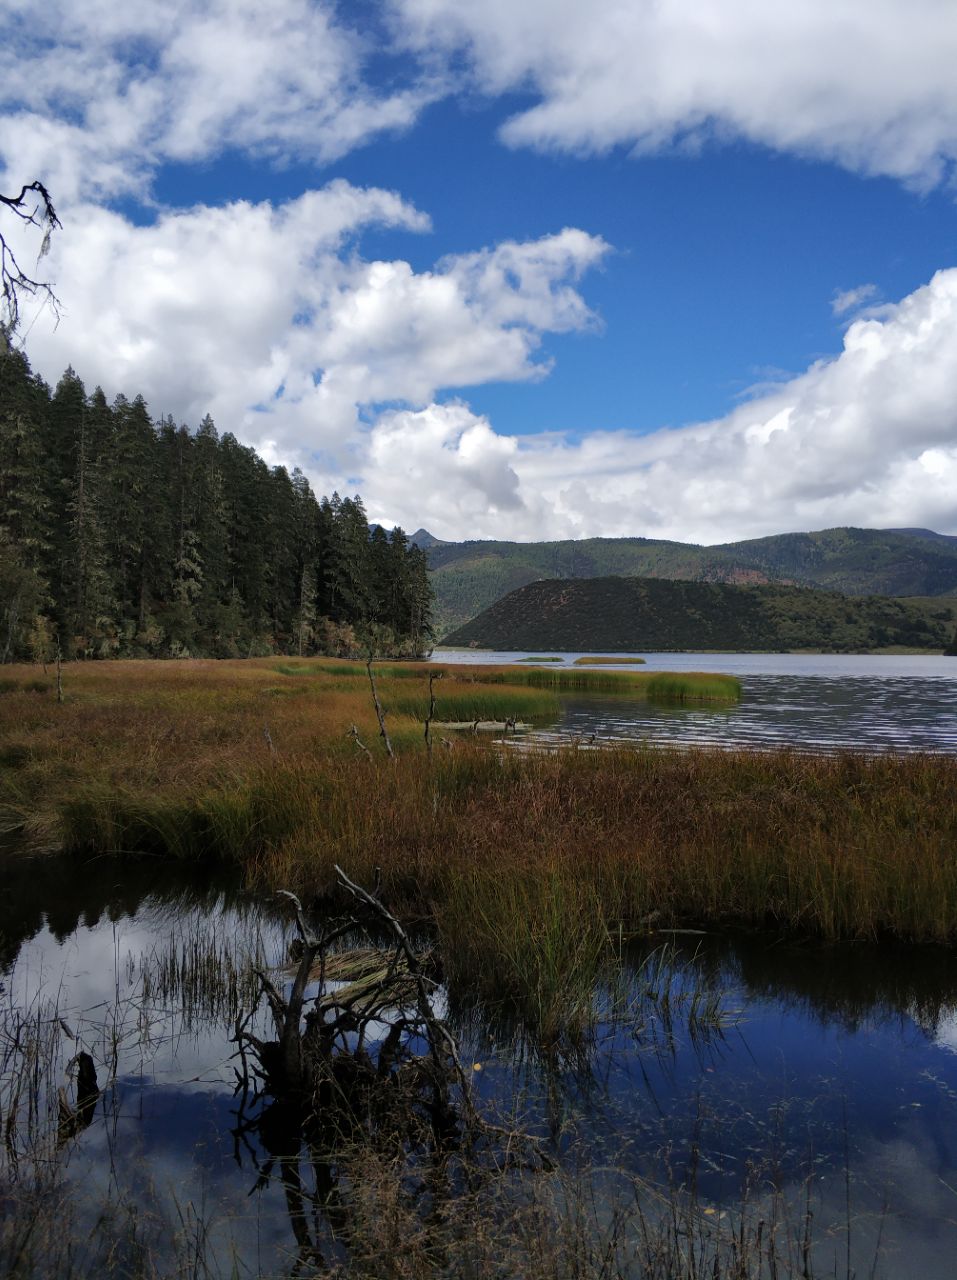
[525,862]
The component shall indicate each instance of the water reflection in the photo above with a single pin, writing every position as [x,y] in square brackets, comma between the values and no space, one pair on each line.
[830,1063]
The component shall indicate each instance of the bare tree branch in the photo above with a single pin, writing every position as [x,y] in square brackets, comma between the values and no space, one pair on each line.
[34,208]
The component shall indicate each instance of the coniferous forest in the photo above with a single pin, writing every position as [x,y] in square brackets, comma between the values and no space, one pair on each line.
[125,537]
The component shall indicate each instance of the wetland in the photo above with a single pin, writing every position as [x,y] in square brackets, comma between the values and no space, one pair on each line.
[707,1001]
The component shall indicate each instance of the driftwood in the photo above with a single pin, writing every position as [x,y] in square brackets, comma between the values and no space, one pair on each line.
[360,1071]
[368,1046]
[433,676]
[368,1049]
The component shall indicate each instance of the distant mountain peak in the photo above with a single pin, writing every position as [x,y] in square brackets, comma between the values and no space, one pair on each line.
[422,538]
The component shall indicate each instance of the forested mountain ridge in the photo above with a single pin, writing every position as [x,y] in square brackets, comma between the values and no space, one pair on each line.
[121,537]
[470,576]
[647,614]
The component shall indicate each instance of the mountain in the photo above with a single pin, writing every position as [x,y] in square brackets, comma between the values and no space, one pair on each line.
[467,577]
[422,538]
[629,614]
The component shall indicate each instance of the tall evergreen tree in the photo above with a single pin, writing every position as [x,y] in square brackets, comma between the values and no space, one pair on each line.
[124,537]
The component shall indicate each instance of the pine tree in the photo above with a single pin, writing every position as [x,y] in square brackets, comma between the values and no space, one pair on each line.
[25,516]
[121,537]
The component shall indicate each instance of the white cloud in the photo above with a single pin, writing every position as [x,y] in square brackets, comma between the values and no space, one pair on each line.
[866,83]
[869,438]
[847,300]
[94,97]
[452,461]
[268,318]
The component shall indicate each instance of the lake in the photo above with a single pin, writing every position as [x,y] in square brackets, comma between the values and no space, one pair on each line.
[803,1089]
[814,702]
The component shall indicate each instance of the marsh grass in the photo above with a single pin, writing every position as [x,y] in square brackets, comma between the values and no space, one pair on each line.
[692,686]
[452,1223]
[507,941]
[526,863]
[477,702]
[201,978]
[594,660]
[595,1225]
[679,685]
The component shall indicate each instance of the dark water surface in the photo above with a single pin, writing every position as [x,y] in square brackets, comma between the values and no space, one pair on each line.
[828,1069]
[811,702]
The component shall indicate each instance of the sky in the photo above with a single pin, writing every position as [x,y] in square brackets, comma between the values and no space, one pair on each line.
[521,269]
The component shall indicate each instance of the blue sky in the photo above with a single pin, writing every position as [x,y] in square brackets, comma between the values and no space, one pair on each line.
[530,269]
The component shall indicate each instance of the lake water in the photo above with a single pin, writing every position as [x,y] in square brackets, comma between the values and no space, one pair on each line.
[821,1076]
[812,702]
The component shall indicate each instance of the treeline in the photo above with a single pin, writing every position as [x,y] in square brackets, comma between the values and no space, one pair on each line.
[121,537]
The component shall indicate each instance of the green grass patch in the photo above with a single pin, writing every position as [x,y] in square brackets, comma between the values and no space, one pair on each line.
[530,944]
[693,686]
[682,686]
[473,702]
[550,658]
[587,660]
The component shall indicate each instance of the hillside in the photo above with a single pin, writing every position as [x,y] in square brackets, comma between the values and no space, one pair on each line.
[467,577]
[635,614]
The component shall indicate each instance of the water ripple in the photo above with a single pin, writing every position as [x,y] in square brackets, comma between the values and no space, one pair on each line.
[804,713]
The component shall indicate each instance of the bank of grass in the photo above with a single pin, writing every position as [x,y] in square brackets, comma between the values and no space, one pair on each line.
[590,660]
[681,685]
[529,865]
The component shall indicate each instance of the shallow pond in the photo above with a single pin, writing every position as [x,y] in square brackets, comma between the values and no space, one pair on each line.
[811,702]
[807,1077]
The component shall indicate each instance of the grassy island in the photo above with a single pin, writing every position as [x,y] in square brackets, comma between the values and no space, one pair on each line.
[588,660]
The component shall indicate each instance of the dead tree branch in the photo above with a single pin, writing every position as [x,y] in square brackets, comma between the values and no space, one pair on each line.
[34,208]
[433,676]
[380,714]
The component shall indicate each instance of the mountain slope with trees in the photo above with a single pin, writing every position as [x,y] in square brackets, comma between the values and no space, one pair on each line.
[121,537]
[635,614]
[470,576]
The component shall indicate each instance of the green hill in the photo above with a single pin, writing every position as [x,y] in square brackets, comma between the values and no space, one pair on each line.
[469,576]
[634,614]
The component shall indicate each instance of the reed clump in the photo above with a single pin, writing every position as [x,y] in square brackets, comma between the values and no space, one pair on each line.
[595,660]
[509,941]
[681,685]
[692,686]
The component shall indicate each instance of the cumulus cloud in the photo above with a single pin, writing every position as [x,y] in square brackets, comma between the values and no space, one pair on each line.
[868,438]
[270,319]
[94,97]
[866,83]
